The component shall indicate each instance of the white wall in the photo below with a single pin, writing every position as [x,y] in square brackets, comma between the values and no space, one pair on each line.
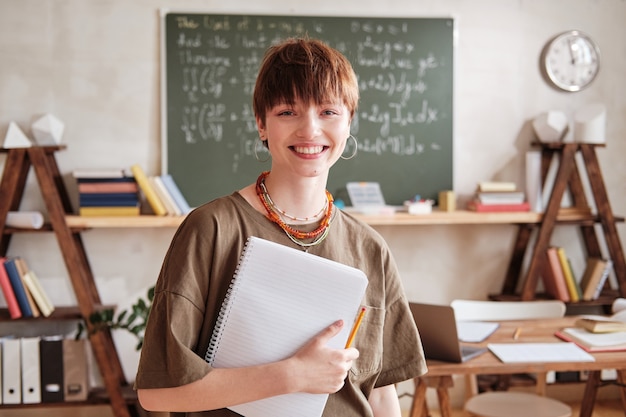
[95,65]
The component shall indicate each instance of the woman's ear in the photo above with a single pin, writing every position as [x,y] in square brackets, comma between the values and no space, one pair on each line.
[261,128]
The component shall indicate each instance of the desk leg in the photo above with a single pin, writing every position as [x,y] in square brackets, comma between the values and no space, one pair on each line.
[441,384]
[621,379]
[419,407]
[589,397]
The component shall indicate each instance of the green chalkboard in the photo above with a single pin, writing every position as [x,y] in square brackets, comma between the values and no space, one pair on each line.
[403,123]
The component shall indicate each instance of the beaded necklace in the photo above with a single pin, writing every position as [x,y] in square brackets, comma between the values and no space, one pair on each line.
[275,208]
[295,235]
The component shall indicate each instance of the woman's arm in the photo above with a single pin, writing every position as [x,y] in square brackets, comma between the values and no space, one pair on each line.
[315,369]
[384,402]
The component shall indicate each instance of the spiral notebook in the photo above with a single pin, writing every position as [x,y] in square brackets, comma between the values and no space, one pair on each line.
[278,300]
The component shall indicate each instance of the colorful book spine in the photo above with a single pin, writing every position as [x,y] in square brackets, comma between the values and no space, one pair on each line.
[605,276]
[176,194]
[7,291]
[109,211]
[18,288]
[574,294]
[32,283]
[145,186]
[557,285]
[164,195]
[22,269]
[495,208]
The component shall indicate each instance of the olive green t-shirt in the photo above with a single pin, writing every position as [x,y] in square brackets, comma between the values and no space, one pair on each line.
[197,272]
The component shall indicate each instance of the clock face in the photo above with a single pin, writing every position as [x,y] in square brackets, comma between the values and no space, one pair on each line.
[570,61]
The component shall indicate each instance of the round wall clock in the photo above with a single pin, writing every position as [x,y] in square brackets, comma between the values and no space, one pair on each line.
[570,61]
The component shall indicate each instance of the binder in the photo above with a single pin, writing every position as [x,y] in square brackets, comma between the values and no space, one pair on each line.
[75,386]
[51,369]
[31,380]
[278,300]
[11,372]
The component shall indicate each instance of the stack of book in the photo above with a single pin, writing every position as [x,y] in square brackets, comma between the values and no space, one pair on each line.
[161,192]
[22,290]
[107,192]
[596,333]
[561,283]
[496,196]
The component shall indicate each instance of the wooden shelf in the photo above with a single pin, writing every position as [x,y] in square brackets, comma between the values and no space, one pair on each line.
[59,313]
[568,177]
[398,219]
[17,165]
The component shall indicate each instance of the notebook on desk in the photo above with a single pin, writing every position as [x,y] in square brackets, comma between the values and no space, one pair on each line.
[437,328]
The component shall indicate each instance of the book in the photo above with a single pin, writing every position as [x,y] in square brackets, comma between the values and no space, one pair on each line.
[109,211]
[176,194]
[594,342]
[593,274]
[496,186]
[278,300]
[504,197]
[108,199]
[605,276]
[107,187]
[18,287]
[484,208]
[33,285]
[7,291]
[99,173]
[144,184]
[572,285]
[22,269]
[601,324]
[553,279]
[166,198]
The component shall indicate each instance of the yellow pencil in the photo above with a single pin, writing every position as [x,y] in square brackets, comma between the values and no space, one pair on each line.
[356,326]
[518,331]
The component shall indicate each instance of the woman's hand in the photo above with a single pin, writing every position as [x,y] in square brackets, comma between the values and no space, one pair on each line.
[319,369]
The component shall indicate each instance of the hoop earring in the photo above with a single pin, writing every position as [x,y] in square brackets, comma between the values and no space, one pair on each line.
[256,154]
[356,148]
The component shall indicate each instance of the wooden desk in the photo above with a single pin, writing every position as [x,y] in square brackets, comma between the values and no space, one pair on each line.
[439,374]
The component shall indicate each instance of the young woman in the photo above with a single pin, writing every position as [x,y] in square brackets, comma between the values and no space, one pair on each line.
[305,97]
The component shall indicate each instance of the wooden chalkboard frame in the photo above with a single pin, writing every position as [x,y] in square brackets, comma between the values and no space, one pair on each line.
[406,163]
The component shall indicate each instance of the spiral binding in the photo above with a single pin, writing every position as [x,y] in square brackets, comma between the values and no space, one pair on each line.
[222,317]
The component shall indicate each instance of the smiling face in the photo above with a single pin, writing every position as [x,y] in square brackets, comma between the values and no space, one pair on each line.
[304,98]
[306,138]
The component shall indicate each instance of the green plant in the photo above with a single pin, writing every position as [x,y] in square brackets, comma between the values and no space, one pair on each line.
[133,320]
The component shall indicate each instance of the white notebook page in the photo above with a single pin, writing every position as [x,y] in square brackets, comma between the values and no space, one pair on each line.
[280,298]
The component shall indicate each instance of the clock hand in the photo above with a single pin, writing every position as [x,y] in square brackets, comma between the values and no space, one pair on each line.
[571,51]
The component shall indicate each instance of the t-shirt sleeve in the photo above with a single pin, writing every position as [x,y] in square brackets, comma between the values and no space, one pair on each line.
[403,355]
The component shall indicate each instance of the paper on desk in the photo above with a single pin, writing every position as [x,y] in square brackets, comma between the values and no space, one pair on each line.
[539,352]
[475,331]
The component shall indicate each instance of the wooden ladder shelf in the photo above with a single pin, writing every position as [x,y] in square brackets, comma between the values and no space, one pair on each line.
[17,166]
[567,176]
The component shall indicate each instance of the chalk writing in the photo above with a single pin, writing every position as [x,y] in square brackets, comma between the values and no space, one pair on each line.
[404,76]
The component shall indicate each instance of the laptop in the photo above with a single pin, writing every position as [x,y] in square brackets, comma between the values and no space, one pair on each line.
[437,328]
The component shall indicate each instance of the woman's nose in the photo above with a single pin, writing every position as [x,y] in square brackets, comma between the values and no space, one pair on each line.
[309,126]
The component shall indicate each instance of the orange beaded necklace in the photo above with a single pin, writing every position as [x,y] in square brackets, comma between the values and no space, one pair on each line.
[265,199]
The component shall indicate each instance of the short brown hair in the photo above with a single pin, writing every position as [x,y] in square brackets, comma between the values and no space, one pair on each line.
[305,69]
